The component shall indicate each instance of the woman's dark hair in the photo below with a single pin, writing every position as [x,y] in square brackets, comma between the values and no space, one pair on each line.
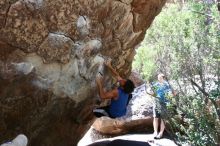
[129,86]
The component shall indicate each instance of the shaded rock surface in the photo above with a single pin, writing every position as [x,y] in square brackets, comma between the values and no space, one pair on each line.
[51,51]
[136,78]
[134,140]
[119,142]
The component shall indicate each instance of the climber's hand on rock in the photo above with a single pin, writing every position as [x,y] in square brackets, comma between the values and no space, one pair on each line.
[108,62]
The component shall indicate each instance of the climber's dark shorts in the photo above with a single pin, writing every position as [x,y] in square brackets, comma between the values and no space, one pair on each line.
[102,111]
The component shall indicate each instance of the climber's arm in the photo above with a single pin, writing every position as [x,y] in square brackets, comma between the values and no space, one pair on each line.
[113,94]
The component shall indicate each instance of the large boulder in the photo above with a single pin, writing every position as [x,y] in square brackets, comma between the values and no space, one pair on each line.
[138,119]
[51,51]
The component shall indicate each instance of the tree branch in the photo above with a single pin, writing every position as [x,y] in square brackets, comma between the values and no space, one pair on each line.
[200,88]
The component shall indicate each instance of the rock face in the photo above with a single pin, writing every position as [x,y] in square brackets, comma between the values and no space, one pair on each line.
[136,78]
[50,53]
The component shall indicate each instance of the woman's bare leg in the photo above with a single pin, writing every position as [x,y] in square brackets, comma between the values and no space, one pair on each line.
[162,128]
[155,125]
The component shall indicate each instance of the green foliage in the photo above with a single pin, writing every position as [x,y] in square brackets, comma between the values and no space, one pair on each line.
[202,124]
[184,43]
[144,62]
